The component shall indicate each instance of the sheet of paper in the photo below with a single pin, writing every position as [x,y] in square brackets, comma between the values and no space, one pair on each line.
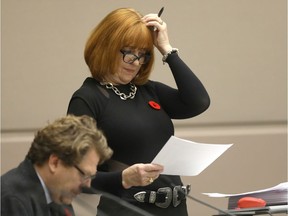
[279,187]
[187,158]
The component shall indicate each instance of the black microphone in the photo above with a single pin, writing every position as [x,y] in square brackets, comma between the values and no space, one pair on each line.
[135,209]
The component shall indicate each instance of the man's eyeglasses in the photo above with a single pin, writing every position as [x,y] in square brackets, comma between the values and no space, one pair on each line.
[129,57]
[85,177]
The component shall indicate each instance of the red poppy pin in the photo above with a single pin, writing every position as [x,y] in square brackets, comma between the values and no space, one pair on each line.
[154,105]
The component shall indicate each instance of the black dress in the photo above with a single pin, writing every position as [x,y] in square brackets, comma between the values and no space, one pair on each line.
[136,129]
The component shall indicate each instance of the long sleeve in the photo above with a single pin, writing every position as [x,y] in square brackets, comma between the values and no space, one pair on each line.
[22,192]
[13,206]
[133,126]
[189,99]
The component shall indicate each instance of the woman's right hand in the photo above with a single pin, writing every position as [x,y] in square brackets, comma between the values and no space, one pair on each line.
[140,174]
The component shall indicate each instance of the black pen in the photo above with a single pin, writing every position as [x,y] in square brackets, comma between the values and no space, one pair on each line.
[161,11]
[159,14]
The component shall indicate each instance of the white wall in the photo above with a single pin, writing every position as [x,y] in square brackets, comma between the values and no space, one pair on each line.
[237,48]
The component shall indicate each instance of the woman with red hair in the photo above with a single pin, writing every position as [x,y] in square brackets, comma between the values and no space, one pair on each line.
[134,112]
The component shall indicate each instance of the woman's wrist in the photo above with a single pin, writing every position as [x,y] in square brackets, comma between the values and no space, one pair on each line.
[166,49]
[165,56]
[124,183]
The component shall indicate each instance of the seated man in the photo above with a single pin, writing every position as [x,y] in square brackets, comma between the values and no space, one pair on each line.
[62,159]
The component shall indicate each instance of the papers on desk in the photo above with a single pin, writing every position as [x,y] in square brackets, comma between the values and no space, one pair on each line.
[268,210]
[277,195]
[187,158]
[280,187]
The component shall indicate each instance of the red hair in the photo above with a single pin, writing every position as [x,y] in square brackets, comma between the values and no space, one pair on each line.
[120,28]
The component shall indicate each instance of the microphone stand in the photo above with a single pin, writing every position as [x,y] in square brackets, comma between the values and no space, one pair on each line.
[115,199]
[208,205]
[140,211]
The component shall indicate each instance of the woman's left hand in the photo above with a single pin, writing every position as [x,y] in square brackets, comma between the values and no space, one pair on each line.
[160,33]
[140,174]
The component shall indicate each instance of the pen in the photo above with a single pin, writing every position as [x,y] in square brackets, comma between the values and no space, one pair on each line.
[161,11]
[159,14]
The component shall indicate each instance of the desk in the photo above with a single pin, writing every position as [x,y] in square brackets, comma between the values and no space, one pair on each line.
[269,210]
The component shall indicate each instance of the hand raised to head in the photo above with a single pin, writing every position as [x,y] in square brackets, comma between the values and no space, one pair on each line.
[160,35]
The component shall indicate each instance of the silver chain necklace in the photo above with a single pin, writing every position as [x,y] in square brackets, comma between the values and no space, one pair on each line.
[123,96]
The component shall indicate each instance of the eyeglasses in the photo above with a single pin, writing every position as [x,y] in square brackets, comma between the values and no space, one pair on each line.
[129,57]
[85,177]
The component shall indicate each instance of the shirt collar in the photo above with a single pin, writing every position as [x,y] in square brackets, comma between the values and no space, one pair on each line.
[47,194]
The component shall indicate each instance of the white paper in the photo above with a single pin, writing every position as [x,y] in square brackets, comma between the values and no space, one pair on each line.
[279,187]
[187,158]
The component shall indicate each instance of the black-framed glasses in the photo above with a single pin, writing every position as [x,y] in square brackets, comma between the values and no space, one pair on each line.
[84,176]
[129,57]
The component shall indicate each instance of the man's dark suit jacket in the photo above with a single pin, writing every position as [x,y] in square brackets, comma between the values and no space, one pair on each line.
[22,192]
